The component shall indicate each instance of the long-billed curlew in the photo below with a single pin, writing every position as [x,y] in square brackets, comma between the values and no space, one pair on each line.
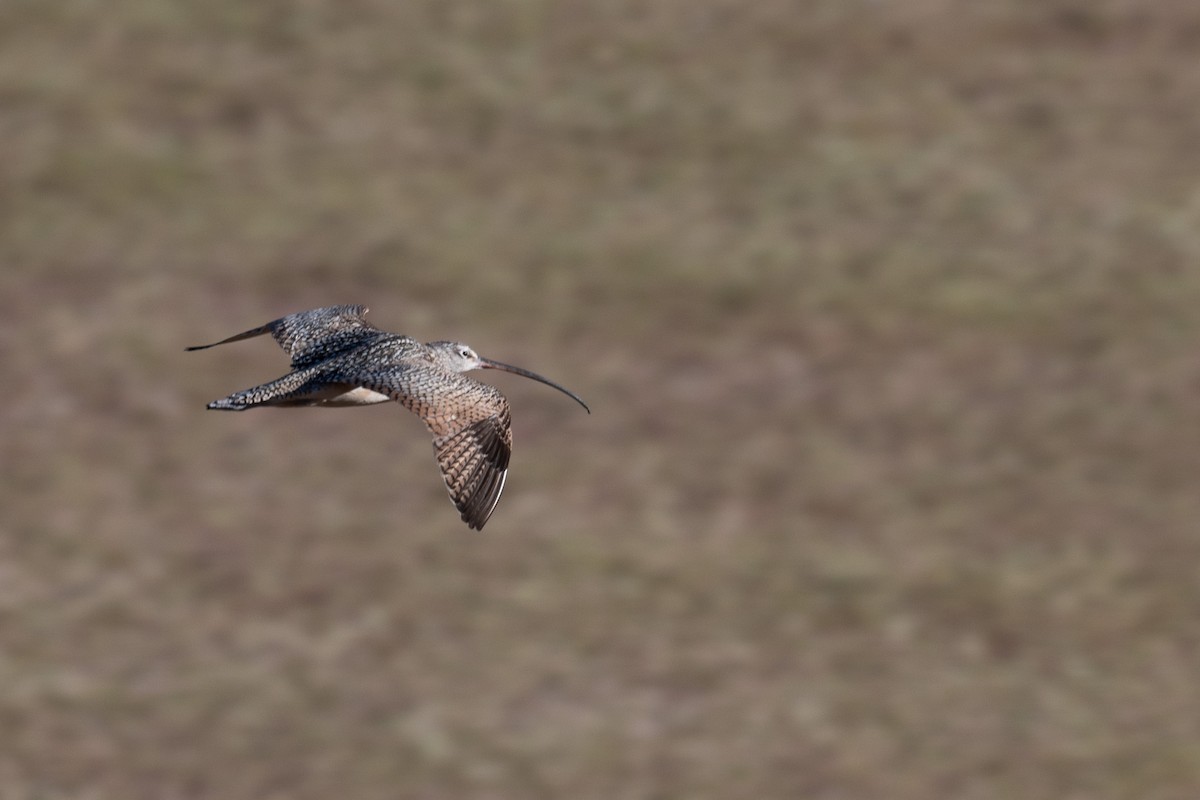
[338,359]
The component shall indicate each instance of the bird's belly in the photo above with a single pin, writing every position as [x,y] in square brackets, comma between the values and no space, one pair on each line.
[346,395]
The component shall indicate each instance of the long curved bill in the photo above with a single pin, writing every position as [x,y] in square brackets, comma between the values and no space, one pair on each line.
[487,363]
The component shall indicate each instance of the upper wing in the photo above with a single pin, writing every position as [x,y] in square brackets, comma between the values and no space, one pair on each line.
[471,427]
[310,337]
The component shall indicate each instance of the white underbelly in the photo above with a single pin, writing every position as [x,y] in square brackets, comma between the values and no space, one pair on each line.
[345,396]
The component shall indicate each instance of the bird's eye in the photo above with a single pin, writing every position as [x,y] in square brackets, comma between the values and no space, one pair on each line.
[465,353]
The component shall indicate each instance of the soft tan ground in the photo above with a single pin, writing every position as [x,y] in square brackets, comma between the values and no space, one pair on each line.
[887,313]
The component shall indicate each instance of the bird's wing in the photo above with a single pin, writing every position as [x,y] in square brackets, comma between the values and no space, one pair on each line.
[310,337]
[471,427]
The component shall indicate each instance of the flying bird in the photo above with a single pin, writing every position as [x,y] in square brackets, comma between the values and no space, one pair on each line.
[339,359]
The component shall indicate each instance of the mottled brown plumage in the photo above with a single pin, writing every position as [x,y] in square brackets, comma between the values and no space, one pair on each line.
[338,359]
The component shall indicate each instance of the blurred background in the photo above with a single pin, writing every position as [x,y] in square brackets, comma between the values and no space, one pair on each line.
[886,312]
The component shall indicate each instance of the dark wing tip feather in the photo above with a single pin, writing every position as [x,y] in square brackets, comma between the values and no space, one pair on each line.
[483,449]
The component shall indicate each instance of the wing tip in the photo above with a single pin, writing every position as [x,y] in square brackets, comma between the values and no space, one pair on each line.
[477,509]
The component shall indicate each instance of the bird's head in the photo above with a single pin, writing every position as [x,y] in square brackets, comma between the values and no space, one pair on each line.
[458,357]
[455,356]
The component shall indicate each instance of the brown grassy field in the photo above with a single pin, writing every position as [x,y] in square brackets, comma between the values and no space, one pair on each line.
[886,312]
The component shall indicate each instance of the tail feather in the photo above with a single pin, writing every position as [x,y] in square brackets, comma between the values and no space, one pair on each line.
[288,390]
[227,404]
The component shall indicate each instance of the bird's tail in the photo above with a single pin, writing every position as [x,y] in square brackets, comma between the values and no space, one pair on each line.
[290,390]
[228,404]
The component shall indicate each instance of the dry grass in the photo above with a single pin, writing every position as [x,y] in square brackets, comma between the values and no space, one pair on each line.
[886,312]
